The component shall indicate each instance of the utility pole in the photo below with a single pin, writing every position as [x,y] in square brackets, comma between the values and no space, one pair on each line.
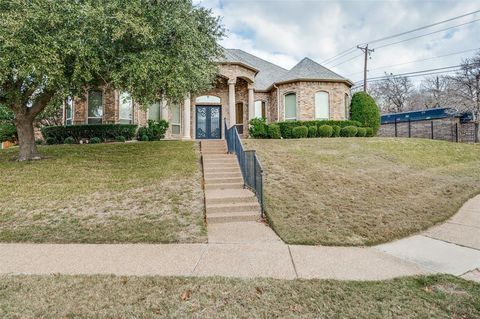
[367,52]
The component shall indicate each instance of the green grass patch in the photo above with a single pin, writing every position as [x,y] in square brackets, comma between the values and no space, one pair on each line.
[168,297]
[105,193]
[359,191]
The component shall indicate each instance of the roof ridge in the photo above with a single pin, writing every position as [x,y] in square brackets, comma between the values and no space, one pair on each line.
[257,57]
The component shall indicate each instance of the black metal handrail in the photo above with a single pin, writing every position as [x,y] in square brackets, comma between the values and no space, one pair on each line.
[250,166]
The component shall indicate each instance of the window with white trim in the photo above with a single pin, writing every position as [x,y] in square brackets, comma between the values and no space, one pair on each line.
[290,107]
[176,119]
[126,108]
[155,111]
[95,107]
[69,111]
[322,106]
[207,99]
[260,109]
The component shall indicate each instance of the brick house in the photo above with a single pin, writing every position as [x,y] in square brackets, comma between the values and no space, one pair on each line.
[246,87]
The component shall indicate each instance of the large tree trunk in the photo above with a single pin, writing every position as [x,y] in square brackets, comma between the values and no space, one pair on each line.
[26,138]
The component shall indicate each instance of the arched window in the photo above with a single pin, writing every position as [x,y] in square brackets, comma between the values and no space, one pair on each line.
[95,107]
[207,99]
[126,108]
[290,107]
[347,106]
[260,109]
[322,106]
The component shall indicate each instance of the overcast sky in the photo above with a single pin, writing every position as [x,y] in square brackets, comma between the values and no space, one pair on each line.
[285,31]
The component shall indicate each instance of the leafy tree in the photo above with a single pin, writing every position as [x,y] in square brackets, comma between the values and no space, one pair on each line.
[52,49]
[364,110]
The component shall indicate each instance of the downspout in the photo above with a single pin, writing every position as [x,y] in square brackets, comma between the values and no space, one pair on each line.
[278,102]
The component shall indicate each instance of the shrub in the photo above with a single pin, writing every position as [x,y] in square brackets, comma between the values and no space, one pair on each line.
[369,132]
[312,131]
[325,131]
[287,126]
[144,138]
[155,130]
[107,132]
[300,132]
[95,140]
[38,141]
[336,131]
[69,140]
[365,110]
[258,128]
[120,138]
[348,131]
[51,141]
[361,132]
[274,131]
[8,133]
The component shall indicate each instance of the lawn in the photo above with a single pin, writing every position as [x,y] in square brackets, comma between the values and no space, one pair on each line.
[363,191]
[105,193]
[148,297]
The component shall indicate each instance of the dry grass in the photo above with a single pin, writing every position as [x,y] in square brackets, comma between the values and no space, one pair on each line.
[106,193]
[363,191]
[163,297]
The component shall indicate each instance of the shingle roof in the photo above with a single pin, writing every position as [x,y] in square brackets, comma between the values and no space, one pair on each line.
[269,73]
[308,69]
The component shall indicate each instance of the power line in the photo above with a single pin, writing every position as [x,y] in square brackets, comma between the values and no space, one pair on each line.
[408,76]
[423,35]
[347,60]
[420,28]
[420,60]
[339,55]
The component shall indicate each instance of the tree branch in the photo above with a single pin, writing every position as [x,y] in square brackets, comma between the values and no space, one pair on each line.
[40,103]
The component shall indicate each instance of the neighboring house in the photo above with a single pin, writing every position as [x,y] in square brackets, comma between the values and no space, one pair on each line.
[246,87]
[438,123]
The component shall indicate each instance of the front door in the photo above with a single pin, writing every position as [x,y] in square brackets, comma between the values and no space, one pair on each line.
[208,124]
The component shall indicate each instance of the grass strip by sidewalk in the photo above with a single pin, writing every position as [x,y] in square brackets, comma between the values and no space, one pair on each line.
[61,296]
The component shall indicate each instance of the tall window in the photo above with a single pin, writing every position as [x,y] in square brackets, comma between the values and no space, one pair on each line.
[347,106]
[69,111]
[95,107]
[126,108]
[176,118]
[260,109]
[322,107]
[155,111]
[291,107]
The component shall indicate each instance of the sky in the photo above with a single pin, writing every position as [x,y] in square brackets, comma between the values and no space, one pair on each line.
[285,31]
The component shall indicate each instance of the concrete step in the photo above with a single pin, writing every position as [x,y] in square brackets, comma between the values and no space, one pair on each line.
[231,208]
[215,218]
[232,200]
[219,156]
[219,180]
[242,232]
[220,160]
[214,174]
[221,169]
[217,194]
[214,152]
[224,186]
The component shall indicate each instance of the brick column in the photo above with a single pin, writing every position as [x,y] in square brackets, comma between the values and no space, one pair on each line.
[231,102]
[251,102]
[186,118]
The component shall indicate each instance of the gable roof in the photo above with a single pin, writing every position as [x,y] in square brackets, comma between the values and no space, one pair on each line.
[270,74]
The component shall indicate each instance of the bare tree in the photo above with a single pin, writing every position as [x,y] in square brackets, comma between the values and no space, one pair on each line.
[392,93]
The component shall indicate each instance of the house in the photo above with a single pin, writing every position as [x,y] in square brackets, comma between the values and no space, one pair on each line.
[246,87]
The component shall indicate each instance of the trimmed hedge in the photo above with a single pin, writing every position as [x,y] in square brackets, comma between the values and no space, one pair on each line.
[287,127]
[274,131]
[95,140]
[155,131]
[325,131]
[365,110]
[336,131]
[106,132]
[348,131]
[361,132]
[312,131]
[300,132]
[258,128]
[69,140]
[369,132]
[8,133]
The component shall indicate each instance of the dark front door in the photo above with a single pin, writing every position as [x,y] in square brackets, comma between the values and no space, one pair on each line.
[208,124]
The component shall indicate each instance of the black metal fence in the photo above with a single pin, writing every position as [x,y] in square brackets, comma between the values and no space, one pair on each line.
[250,166]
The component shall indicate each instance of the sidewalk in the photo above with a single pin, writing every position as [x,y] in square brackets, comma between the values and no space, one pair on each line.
[449,248]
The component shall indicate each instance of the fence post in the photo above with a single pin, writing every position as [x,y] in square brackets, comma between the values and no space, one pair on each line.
[431,128]
[475,126]
[456,132]
[396,133]
[409,128]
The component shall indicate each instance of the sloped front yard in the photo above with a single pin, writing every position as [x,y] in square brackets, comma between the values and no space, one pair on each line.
[363,191]
[105,193]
